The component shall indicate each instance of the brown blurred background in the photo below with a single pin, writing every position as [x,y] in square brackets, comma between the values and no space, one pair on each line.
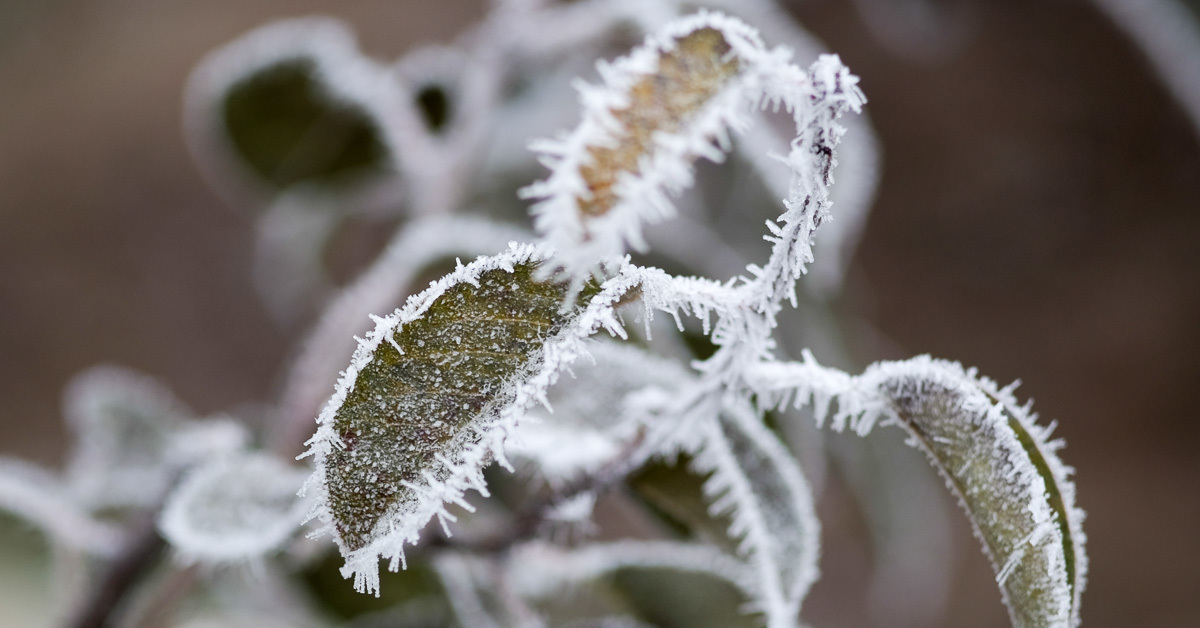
[1038,218]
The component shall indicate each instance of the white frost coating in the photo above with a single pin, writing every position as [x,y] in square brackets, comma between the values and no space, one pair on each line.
[756,481]
[289,239]
[479,595]
[340,68]
[539,570]
[234,509]
[596,411]
[1169,35]
[745,312]
[559,453]
[131,434]
[418,244]
[766,78]
[484,443]
[858,156]
[459,575]
[39,497]
[885,389]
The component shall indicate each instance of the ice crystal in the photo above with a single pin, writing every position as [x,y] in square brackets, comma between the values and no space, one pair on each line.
[756,481]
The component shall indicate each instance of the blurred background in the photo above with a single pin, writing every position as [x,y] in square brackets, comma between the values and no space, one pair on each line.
[1038,217]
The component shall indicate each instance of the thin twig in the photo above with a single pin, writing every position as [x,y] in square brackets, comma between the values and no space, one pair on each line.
[166,598]
[142,549]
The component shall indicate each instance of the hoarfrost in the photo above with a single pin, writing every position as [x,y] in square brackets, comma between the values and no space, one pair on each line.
[993,455]
[367,497]
[234,509]
[40,497]
[132,436]
[759,484]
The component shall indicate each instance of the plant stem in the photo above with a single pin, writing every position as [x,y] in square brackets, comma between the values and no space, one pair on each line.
[142,548]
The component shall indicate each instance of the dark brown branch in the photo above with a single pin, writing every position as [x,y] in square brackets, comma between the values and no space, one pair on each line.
[142,549]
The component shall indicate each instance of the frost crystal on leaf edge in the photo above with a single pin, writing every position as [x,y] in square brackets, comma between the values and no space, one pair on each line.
[395,529]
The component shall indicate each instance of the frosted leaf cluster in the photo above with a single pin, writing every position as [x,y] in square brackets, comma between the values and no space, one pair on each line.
[133,439]
[394,449]
[680,412]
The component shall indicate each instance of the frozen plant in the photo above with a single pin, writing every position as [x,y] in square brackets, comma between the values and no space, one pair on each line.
[544,354]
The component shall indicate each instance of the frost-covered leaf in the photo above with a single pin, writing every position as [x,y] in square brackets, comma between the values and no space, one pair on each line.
[271,117]
[420,243]
[132,435]
[41,498]
[668,583]
[293,102]
[759,484]
[431,394]
[659,109]
[236,508]
[596,411]
[993,455]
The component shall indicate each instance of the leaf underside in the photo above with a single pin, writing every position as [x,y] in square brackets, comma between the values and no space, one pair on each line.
[409,412]
[289,130]
[1036,561]
[686,79]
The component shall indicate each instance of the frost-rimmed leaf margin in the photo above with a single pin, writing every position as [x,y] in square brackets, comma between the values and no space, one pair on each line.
[234,508]
[347,76]
[765,77]
[756,482]
[488,430]
[540,570]
[1047,553]
[418,244]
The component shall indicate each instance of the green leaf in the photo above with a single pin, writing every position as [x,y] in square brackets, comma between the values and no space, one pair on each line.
[288,127]
[429,398]
[994,456]
[998,463]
